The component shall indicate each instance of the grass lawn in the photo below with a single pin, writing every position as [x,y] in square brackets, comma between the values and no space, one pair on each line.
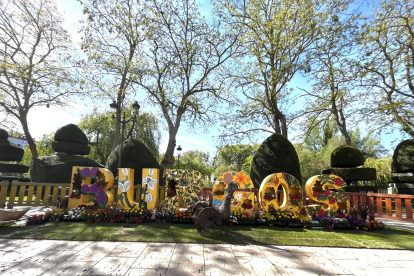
[391,237]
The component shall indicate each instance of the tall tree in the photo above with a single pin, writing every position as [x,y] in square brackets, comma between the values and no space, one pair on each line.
[100,130]
[113,33]
[236,155]
[276,35]
[387,66]
[197,160]
[35,52]
[329,67]
[184,58]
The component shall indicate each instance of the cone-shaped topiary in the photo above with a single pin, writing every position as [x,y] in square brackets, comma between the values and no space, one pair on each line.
[403,158]
[276,154]
[347,157]
[71,133]
[135,155]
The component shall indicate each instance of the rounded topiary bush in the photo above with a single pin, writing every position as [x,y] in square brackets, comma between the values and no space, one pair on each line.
[71,133]
[403,158]
[135,155]
[346,157]
[275,155]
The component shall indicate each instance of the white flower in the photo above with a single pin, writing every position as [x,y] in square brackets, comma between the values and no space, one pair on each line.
[70,212]
[149,181]
[150,172]
[238,197]
[199,176]
[125,171]
[175,173]
[216,182]
[148,197]
[123,185]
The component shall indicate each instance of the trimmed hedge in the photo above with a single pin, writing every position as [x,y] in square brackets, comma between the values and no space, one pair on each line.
[403,158]
[57,168]
[70,148]
[135,155]
[11,153]
[3,134]
[347,157]
[71,133]
[275,155]
[403,179]
[353,174]
[13,168]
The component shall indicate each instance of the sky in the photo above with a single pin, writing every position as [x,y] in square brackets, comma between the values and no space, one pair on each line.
[57,117]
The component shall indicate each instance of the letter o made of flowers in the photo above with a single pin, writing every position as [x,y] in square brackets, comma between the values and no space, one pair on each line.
[292,192]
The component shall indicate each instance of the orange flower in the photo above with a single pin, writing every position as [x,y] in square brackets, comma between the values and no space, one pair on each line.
[240,178]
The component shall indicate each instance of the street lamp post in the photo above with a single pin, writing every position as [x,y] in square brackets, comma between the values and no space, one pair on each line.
[179,149]
[123,121]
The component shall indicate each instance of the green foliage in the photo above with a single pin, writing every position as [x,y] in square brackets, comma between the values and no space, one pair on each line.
[43,146]
[238,157]
[347,156]
[276,36]
[383,167]
[36,53]
[276,154]
[100,128]
[198,161]
[385,67]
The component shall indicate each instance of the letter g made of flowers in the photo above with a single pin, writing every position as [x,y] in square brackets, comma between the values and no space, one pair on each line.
[90,186]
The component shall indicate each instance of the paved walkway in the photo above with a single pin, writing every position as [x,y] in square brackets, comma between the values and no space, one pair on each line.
[37,257]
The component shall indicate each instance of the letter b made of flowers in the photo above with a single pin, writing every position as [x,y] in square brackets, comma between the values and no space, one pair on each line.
[89,186]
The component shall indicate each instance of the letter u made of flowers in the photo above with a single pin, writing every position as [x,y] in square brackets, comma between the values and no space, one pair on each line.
[323,190]
[150,186]
[90,182]
[126,189]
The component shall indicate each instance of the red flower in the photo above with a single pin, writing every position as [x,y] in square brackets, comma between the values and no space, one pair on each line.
[338,182]
[315,194]
[326,192]
[341,215]
[331,200]
[321,213]
[73,195]
[295,197]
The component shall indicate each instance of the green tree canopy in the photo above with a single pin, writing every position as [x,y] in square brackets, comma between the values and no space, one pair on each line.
[100,129]
[35,52]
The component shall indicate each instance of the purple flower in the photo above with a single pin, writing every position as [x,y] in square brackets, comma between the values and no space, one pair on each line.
[100,198]
[94,171]
[86,172]
[85,188]
[94,189]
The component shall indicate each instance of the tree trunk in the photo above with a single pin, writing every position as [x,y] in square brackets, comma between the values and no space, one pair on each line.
[29,139]
[406,128]
[169,160]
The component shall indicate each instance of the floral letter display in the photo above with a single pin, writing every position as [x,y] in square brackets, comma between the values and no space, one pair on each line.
[91,182]
[292,192]
[317,188]
[126,190]
[184,193]
[236,180]
[150,185]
